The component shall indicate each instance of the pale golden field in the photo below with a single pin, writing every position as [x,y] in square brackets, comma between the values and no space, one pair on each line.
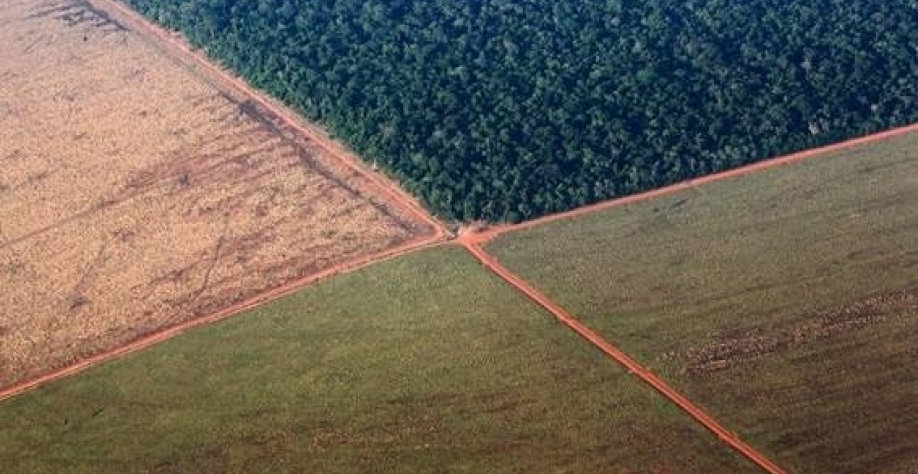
[135,193]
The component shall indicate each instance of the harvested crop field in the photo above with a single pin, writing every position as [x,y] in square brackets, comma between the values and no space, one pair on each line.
[137,192]
[785,302]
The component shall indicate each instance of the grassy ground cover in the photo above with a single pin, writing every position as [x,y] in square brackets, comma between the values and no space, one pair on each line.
[421,364]
[786,302]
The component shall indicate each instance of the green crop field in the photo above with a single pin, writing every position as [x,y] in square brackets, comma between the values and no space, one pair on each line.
[785,302]
[421,364]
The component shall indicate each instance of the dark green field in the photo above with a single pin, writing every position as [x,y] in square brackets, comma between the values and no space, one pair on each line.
[785,302]
[419,365]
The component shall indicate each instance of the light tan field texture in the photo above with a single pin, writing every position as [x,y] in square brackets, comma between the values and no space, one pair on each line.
[137,192]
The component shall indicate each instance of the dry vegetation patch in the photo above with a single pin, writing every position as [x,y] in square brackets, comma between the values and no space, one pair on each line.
[136,193]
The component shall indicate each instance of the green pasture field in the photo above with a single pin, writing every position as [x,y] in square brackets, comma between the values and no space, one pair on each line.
[785,301]
[424,364]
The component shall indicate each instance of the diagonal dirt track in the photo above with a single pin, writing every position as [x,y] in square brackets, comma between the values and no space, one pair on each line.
[474,240]
[473,245]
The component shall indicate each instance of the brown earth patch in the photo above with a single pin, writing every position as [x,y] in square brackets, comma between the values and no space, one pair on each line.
[137,192]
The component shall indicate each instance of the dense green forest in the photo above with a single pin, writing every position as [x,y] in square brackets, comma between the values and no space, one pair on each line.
[508,109]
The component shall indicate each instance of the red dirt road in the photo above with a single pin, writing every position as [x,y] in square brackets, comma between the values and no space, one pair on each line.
[471,243]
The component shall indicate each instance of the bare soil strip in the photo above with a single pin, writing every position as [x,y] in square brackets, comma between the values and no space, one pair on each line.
[173,331]
[728,437]
[471,241]
[735,349]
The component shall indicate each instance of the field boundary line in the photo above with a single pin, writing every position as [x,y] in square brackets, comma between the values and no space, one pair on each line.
[768,163]
[385,186]
[728,437]
[170,332]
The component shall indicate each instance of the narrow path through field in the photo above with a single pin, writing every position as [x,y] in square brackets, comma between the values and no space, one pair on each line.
[472,242]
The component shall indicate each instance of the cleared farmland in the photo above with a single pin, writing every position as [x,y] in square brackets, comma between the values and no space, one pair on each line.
[425,363]
[785,302]
[137,192]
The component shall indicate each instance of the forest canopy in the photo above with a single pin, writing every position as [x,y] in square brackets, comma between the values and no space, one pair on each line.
[510,109]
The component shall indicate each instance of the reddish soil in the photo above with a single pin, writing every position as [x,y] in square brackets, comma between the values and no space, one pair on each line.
[474,237]
[173,331]
[472,241]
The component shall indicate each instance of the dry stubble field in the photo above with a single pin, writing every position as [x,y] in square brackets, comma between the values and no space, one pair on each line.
[136,193]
